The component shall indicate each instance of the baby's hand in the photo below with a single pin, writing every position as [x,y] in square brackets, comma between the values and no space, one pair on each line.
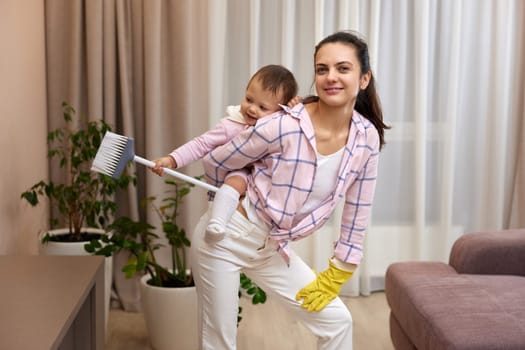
[294,101]
[164,162]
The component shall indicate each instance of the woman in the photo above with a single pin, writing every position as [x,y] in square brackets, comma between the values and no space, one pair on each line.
[302,162]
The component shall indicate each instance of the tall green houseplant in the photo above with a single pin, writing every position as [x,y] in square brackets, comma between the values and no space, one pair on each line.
[83,198]
[139,239]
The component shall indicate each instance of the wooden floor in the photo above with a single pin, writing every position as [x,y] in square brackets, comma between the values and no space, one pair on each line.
[268,327]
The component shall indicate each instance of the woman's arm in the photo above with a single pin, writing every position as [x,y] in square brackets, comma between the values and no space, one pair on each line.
[356,212]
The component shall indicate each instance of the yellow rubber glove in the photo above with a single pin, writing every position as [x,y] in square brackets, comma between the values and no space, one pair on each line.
[324,289]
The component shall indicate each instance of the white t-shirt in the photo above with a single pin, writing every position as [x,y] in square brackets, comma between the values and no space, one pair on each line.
[324,185]
[325,180]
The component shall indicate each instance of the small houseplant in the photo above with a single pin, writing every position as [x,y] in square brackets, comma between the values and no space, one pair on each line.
[140,240]
[84,198]
[81,202]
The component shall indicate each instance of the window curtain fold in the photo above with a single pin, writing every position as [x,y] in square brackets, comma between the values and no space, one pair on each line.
[133,64]
[517,219]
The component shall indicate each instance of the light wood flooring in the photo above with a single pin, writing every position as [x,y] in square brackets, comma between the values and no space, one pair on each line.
[268,327]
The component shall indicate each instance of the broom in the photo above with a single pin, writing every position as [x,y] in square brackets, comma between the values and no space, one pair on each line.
[116,151]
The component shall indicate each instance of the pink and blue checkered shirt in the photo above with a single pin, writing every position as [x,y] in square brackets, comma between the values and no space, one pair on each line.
[280,152]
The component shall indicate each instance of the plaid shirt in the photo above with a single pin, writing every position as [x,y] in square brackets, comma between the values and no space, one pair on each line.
[281,151]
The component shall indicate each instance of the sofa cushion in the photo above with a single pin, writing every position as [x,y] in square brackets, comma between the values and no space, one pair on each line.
[490,253]
[440,309]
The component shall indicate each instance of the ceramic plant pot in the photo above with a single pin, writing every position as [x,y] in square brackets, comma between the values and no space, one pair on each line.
[170,315]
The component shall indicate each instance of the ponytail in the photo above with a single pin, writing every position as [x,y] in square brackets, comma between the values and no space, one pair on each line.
[369,106]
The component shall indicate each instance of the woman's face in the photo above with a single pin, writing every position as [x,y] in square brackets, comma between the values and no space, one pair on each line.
[338,76]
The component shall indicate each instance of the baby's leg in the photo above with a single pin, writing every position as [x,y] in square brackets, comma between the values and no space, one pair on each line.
[224,205]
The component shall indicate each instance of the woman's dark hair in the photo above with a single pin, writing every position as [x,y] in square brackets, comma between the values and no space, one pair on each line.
[367,102]
[277,79]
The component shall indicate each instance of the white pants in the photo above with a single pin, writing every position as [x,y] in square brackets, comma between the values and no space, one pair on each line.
[246,248]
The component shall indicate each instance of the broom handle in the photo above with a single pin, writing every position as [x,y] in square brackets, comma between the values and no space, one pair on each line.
[174,173]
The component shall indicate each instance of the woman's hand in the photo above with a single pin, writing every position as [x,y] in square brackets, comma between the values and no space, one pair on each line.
[324,288]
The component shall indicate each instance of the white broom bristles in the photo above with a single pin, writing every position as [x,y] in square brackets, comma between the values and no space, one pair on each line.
[111,155]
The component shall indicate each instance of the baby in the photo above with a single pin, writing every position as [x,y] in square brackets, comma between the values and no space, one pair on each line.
[268,87]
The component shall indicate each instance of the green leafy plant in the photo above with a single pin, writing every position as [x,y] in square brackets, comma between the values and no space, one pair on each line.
[139,239]
[83,198]
[257,294]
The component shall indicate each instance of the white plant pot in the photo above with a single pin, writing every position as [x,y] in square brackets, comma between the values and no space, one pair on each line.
[170,315]
[77,248]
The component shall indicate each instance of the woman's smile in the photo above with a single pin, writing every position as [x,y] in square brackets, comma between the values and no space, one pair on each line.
[333,90]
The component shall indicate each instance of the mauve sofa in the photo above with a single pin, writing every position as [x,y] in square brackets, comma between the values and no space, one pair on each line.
[475,302]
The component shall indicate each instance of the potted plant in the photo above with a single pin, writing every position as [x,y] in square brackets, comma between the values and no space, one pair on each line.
[167,291]
[81,202]
[84,198]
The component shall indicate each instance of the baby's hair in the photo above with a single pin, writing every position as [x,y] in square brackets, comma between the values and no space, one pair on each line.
[278,80]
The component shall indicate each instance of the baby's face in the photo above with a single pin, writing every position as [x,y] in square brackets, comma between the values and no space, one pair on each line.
[258,102]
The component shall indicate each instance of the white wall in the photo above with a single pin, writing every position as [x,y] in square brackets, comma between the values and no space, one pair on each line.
[23,122]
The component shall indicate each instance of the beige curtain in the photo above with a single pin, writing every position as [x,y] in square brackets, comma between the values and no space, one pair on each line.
[142,66]
[517,211]
[517,217]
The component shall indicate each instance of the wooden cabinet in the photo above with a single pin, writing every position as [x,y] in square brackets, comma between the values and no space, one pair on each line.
[52,302]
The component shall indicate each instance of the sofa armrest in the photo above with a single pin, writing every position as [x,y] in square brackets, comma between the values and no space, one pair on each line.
[490,253]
